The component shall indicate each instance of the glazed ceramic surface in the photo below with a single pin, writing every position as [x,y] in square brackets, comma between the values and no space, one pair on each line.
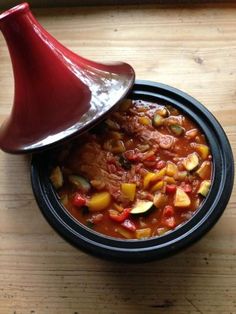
[57,93]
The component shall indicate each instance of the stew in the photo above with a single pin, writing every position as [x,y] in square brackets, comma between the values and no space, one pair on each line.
[139,174]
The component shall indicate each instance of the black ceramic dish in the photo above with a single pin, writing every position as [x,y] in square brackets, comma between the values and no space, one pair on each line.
[154,248]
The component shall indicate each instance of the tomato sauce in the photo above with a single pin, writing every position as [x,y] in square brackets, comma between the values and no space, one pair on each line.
[139,174]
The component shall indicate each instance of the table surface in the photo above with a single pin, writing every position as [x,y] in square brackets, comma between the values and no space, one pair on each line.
[192,48]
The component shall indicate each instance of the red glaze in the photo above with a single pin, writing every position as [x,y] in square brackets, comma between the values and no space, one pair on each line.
[57,93]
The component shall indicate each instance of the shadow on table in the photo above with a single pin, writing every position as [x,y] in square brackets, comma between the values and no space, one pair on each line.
[168,285]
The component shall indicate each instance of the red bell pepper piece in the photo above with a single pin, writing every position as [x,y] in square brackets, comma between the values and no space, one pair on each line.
[168,218]
[97,218]
[119,217]
[168,211]
[169,222]
[160,164]
[170,188]
[151,158]
[131,155]
[128,224]
[78,200]
[187,188]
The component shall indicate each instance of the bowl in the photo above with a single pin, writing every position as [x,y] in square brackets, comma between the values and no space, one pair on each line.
[202,221]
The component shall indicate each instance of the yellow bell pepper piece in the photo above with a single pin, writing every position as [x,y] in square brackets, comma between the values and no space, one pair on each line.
[169,180]
[159,175]
[144,121]
[157,186]
[203,150]
[171,169]
[147,179]
[128,190]
[99,201]
[143,233]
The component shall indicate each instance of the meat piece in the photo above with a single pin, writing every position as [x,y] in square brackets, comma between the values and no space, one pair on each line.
[96,164]
[165,141]
[131,125]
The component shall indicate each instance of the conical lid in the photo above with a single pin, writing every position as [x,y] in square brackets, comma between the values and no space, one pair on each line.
[58,94]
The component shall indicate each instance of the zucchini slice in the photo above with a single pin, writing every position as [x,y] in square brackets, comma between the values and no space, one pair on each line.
[204,187]
[176,129]
[80,183]
[142,207]
[157,120]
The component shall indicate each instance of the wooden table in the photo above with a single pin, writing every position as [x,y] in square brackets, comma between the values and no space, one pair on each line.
[191,48]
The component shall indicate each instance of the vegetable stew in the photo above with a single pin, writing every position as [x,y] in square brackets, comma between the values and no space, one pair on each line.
[139,174]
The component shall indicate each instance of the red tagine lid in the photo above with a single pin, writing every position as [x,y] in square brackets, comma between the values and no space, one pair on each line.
[58,94]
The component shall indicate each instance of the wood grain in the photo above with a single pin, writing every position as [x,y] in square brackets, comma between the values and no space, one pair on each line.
[191,48]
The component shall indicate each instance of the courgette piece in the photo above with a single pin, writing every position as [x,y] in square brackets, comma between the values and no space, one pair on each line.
[141,207]
[160,199]
[116,135]
[126,164]
[181,175]
[181,198]
[163,112]
[80,183]
[89,224]
[162,230]
[143,147]
[64,200]
[204,170]
[176,129]
[124,233]
[157,120]
[204,187]
[112,125]
[125,105]
[114,146]
[56,178]
[191,161]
